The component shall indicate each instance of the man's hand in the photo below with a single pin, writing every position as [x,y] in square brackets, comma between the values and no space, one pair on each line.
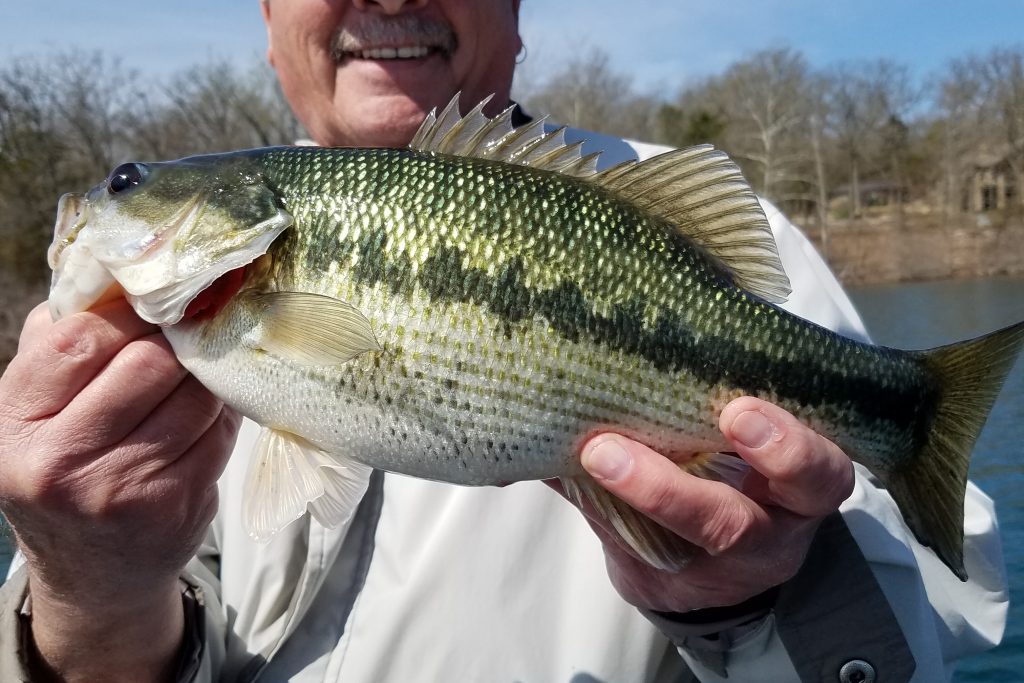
[752,540]
[109,456]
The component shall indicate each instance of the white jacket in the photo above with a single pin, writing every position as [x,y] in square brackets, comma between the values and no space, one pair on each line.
[434,582]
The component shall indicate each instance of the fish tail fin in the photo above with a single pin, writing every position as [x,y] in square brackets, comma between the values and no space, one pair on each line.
[930,489]
[653,543]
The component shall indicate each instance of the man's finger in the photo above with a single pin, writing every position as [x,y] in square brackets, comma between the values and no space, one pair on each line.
[125,391]
[206,459]
[176,425]
[36,323]
[64,357]
[709,514]
[807,474]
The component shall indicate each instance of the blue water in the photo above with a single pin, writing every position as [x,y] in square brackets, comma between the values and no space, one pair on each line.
[923,315]
[929,314]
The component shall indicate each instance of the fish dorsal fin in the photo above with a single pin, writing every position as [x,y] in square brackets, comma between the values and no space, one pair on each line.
[699,190]
[702,192]
[477,135]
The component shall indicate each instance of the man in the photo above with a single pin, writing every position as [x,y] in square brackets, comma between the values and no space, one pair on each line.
[110,454]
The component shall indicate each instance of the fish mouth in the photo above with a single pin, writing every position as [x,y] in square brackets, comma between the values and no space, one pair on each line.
[404,37]
[73,212]
[87,273]
[79,281]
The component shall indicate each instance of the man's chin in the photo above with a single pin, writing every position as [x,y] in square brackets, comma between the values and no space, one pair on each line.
[386,117]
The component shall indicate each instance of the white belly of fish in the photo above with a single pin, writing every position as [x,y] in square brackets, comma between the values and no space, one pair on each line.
[457,412]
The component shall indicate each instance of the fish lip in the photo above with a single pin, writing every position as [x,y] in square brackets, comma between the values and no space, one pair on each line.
[73,212]
[82,277]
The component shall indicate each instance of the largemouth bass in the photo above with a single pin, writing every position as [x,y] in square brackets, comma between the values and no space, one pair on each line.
[473,308]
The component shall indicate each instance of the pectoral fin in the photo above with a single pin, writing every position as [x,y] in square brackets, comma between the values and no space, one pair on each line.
[311,329]
[288,475]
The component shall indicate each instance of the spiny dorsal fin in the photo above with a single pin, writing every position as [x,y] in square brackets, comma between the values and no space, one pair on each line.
[699,189]
[703,193]
[477,135]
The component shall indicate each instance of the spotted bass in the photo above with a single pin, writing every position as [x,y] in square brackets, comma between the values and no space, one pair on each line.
[473,308]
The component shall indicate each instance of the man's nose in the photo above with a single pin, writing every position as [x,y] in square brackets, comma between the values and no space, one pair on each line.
[389,6]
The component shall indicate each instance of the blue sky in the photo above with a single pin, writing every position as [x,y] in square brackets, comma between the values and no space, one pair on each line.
[662,43]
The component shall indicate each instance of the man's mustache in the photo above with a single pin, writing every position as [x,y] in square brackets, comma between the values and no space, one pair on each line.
[368,31]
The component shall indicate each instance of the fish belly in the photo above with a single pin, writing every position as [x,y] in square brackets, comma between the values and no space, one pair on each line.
[457,395]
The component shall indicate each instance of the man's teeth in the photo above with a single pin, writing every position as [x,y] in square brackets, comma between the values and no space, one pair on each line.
[394,53]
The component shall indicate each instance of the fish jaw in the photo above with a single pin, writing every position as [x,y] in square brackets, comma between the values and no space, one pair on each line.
[91,264]
[161,251]
[79,281]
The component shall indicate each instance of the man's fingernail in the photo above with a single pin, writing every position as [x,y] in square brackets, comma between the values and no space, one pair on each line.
[752,429]
[607,459]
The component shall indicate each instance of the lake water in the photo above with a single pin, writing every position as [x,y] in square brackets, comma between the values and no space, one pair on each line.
[923,315]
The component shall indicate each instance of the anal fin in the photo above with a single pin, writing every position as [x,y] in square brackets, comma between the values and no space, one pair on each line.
[288,475]
[724,467]
[653,543]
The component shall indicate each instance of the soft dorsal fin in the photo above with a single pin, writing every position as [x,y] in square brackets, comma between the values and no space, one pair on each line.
[702,192]
[699,190]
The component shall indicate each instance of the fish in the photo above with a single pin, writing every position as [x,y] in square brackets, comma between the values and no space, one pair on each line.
[473,308]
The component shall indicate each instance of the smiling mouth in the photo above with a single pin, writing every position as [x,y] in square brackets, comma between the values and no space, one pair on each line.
[417,52]
[406,36]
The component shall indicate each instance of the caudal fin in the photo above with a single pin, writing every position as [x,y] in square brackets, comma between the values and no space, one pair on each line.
[930,490]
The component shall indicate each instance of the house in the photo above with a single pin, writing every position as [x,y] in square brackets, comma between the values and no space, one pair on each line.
[991,184]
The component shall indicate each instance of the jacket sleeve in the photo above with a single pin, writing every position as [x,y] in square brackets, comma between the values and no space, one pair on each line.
[809,630]
[202,653]
[869,596]
[206,631]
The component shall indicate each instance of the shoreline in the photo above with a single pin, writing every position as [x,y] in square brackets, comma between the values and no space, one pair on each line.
[921,246]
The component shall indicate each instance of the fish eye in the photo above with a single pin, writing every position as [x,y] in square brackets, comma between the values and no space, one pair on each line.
[125,177]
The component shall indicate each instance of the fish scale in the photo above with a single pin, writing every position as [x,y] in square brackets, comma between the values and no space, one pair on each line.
[474,308]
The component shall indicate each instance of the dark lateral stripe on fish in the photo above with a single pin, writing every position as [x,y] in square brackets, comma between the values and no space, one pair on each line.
[670,345]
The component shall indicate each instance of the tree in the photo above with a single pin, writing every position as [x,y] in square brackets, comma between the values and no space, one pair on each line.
[588,93]
[694,127]
[996,103]
[869,101]
[758,112]
[60,129]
